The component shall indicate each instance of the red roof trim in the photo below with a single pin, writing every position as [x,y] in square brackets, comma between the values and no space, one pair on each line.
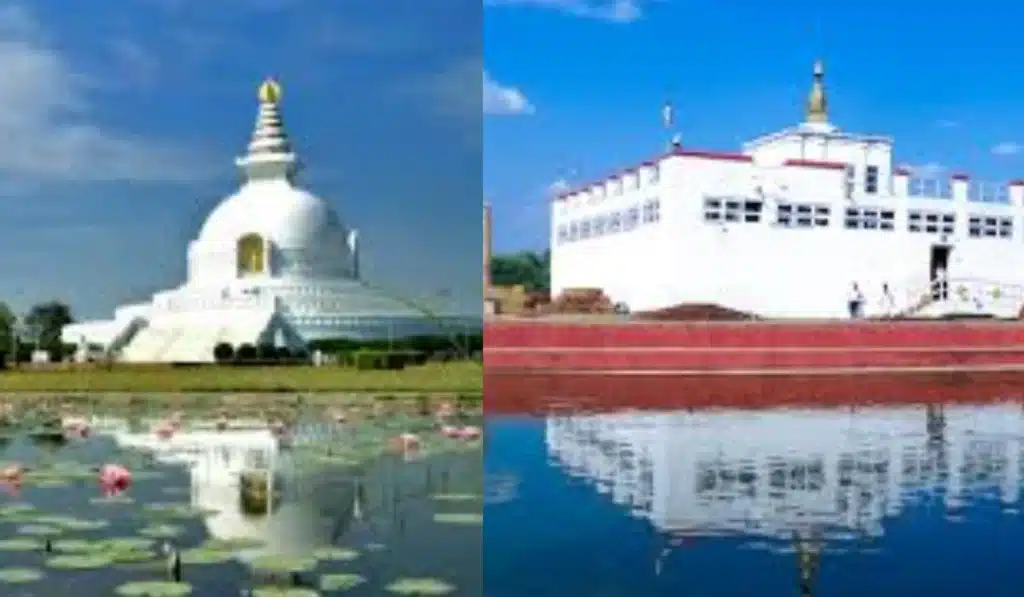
[1019,182]
[690,153]
[960,176]
[902,172]
[816,164]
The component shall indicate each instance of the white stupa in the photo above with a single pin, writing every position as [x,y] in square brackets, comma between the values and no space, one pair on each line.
[273,263]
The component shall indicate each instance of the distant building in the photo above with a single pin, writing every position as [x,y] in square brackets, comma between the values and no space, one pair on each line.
[786,226]
[272,264]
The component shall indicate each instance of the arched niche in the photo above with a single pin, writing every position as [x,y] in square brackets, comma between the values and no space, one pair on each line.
[251,253]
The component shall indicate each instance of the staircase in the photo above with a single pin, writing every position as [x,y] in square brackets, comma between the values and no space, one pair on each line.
[965,297]
[195,346]
[149,344]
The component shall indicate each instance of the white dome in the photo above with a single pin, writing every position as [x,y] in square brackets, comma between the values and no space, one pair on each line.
[286,216]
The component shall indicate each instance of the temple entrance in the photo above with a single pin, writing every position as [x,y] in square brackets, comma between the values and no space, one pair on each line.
[939,270]
[251,253]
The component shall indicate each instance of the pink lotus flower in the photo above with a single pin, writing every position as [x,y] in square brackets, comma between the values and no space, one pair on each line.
[470,433]
[451,432]
[114,479]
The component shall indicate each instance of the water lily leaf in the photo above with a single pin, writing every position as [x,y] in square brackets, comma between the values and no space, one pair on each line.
[112,500]
[70,523]
[19,575]
[202,555]
[238,544]
[77,545]
[128,543]
[131,556]
[340,582]
[424,587]
[161,531]
[154,588]
[459,518]
[375,547]
[283,564]
[49,483]
[335,554]
[80,561]
[20,544]
[170,510]
[457,497]
[15,509]
[275,591]
[39,530]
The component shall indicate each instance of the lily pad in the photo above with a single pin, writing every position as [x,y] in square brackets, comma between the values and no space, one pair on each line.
[422,587]
[161,531]
[20,544]
[38,530]
[340,582]
[335,554]
[375,547]
[128,543]
[87,561]
[202,555]
[49,483]
[275,591]
[19,575]
[457,497]
[154,588]
[238,544]
[112,500]
[76,545]
[170,510]
[131,556]
[459,518]
[70,523]
[283,564]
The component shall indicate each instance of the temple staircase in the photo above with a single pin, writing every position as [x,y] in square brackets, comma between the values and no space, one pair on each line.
[964,297]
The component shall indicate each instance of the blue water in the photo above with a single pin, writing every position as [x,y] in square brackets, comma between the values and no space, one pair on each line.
[893,502]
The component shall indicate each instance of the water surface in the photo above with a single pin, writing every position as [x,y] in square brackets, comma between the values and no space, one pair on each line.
[804,501]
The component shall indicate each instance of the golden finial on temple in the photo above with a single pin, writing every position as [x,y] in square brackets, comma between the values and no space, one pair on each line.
[817,106]
[269,91]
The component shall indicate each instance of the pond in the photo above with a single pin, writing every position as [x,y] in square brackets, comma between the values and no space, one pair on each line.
[317,506]
[842,502]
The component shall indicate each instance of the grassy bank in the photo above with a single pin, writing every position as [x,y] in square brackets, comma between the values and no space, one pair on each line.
[465,377]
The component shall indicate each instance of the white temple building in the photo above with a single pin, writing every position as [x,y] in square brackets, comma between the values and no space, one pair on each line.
[773,474]
[785,228]
[272,264]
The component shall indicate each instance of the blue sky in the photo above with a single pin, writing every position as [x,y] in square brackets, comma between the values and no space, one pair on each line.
[120,121]
[575,87]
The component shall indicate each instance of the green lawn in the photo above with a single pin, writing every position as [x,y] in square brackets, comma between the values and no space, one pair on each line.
[464,377]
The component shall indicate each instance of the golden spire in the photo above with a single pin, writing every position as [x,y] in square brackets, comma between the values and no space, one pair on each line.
[269,91]
[817,105]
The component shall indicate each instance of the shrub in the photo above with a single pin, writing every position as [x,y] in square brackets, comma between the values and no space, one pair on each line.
[223,352]
[246,353]
[282,353]
[385,359]
[266,353]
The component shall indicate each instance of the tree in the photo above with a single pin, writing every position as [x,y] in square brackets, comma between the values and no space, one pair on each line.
[44,323]
[529,268]
[223,352]
[7,323]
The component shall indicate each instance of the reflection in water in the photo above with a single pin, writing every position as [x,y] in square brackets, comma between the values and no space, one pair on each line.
[796,502]
[772,474]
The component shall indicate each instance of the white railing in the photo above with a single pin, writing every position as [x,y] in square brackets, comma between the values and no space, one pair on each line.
[964,296]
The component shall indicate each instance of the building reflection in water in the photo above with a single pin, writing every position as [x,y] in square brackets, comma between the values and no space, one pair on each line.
[798,480]
[258,490]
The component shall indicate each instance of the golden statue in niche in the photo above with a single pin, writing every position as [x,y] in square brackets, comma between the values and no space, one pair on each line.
[251,255]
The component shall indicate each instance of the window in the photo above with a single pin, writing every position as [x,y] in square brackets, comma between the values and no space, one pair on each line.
[987,192]
[574,231]
[732,209]
[652,211]
[871,180]
[925,187]
[989,227]
[614,222]
[598,224]
[869,218]
[563,234]
[585,229]
[655,173]
[931,222]
[802,215]
[632,219]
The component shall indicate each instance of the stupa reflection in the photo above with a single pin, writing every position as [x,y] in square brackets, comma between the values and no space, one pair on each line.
[792,475]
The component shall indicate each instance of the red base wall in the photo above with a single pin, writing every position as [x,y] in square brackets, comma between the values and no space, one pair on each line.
[750,347]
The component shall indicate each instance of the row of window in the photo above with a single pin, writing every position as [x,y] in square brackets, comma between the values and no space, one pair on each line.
[809,215]
[648,175]
[614,222]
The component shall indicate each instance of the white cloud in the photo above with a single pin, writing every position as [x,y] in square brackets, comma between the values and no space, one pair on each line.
[47,125]
[616,11]
[1007,148]
[499,100]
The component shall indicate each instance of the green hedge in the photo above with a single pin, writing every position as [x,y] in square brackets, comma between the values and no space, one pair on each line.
[425,344]
[382,359]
